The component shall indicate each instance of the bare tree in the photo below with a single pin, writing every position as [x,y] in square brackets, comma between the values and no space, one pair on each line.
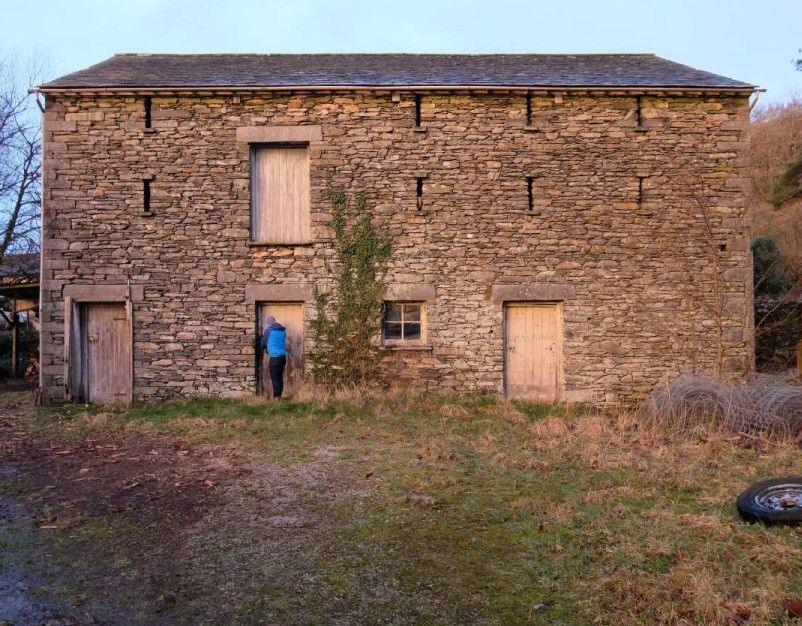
[20,162]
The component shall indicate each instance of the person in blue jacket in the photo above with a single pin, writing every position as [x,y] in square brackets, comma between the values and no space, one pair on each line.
[274,342]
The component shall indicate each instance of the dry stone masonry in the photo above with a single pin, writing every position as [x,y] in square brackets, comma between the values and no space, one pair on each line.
[640,230]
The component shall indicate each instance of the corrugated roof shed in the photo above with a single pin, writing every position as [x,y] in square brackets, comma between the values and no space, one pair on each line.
[391,70]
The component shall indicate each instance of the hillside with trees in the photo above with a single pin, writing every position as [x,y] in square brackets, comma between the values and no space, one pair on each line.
[776,203]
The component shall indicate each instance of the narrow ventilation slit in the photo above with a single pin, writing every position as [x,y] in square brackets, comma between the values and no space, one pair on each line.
[418,99]
[148,106]
[530,180]
[639,113]
[528,108]
[640,191]
[419,192]
[146,196]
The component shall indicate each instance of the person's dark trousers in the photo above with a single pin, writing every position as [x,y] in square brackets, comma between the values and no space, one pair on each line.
[275,365]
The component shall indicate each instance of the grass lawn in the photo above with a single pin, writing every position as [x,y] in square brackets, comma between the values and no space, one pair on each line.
[434,509]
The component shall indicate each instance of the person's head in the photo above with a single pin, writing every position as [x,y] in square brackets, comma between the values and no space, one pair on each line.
[270,320]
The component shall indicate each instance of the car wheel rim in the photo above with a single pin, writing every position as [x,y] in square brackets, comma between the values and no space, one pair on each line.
[781,497]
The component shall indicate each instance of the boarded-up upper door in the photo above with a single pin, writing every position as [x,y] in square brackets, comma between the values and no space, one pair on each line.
[280,194]
[107,353]
[533,351]
[291,316]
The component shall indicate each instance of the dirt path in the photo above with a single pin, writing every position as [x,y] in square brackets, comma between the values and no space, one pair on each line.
[28,583]
[81,522]
[123,525]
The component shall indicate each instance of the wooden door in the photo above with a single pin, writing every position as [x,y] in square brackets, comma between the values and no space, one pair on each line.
[106,353]
[533,351]
[291,316]
[280,194]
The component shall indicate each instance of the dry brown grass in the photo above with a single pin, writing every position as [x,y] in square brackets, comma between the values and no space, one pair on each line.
[603,441]
[697,586]
[358,395]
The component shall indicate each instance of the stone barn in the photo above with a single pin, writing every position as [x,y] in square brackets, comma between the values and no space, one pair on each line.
[565,227]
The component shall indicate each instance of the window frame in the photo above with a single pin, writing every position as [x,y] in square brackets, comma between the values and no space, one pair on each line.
[403,341]
[253,148]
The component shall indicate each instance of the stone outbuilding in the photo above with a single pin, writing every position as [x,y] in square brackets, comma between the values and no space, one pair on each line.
[565,227]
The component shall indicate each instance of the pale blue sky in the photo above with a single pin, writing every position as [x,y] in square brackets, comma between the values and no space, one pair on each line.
[752,41]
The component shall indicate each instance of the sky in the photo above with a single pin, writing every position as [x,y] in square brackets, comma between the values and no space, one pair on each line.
[752,41]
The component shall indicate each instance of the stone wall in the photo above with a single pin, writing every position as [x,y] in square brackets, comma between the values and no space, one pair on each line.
[653,288]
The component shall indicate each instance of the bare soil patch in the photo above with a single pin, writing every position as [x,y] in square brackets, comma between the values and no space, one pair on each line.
[114,497]
[153,480]
[108,522]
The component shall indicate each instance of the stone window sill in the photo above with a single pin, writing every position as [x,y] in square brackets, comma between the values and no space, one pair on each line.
[407,346]
[279,244]
[641,129]
[149,130]
[531,129]
[419,129]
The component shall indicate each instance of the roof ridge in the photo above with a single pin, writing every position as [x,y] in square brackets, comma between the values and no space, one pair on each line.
[418,54]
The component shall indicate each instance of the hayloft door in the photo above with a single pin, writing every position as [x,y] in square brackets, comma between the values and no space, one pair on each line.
[106,353]
[533,351]
[291,316]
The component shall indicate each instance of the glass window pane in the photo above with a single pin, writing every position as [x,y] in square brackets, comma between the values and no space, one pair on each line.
[392,330]
[412,312]
[412,330]
[392,312]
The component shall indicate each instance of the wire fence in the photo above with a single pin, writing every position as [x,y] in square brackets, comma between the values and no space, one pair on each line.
[754,407]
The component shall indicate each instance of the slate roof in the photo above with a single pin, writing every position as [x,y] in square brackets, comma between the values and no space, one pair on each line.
[391,70]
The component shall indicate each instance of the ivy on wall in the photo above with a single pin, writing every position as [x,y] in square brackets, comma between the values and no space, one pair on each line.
[348,321]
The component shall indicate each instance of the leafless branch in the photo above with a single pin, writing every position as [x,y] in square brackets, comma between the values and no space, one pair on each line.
[780,301]
[20,161]
[717,307]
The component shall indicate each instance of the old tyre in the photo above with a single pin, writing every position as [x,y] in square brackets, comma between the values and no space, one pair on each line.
[774,501]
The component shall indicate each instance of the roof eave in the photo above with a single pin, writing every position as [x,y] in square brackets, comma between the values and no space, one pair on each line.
[548,89]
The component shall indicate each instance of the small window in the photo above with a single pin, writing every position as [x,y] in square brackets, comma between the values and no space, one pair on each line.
[280,194]
[403,322]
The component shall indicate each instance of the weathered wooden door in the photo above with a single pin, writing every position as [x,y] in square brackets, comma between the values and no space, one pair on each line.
[533,351]
[106,352]
[291,316]
[280,194]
